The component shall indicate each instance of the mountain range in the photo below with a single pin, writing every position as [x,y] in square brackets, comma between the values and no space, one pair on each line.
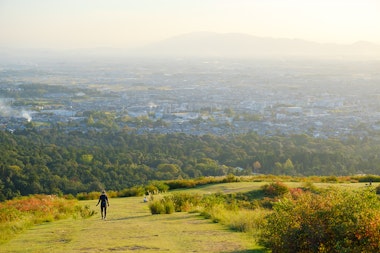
[221,45]
[209,44]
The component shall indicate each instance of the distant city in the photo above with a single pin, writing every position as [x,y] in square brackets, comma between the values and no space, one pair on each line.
[335,98]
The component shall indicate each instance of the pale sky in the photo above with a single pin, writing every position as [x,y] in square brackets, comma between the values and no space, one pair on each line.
[68,24]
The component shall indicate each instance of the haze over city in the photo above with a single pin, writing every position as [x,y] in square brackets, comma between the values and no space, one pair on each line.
[258,55]
[127,24]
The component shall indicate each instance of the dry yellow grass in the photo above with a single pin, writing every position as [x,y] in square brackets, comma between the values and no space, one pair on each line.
[131,228]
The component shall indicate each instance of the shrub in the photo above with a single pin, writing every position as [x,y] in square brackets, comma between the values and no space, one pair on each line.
[230,178]
[249,221]
[275,189]
[87,196]
[217,213]
[177,184]
[213,207]
[309,186]
[163,206]
[156,207]
[168,205]
[95,195]
[185,202]
[157,186]
[333,221]
[19,214]
[132,192]
[330,179]
[208,180]
[208,201]
[85,211]
[296,192]
[367,178]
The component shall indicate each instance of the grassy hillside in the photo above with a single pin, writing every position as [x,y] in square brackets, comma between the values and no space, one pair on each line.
[131,228]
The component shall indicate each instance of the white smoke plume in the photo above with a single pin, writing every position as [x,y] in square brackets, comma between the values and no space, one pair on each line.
[8,111]
[26,115]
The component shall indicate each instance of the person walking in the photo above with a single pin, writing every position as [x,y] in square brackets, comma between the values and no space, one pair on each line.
[103,200]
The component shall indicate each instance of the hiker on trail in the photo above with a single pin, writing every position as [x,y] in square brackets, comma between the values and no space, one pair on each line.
[103,200]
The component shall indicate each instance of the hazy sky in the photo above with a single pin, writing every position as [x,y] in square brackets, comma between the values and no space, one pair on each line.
[129,23]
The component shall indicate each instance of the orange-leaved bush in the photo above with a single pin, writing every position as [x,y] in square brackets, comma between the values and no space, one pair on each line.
[275,189]
[332,221]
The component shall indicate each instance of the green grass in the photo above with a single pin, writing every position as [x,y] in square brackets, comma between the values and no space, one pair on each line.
[250,186]
[131,228]
[224,188]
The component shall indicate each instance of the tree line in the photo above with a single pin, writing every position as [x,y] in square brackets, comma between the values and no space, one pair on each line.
[52,161]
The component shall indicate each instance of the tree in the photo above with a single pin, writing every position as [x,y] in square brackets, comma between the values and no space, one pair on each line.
[288,167]
[256,167]
[168,171]
[90,120]
[278,168]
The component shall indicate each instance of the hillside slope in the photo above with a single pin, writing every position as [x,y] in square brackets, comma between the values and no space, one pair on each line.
[131,228]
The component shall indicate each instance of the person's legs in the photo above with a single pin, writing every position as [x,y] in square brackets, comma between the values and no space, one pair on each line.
[101,211]
[105,212]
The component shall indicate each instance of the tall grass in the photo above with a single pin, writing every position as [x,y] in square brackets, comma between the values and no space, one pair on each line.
[215,207]
[238,219]
[164,205]
[19,214]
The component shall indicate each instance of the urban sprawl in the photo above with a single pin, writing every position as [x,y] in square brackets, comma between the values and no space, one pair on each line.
[197,97]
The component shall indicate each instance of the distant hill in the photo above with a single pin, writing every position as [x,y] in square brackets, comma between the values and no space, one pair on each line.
[208,44]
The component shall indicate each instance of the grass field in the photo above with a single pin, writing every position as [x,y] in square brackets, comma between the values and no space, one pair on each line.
[130,227]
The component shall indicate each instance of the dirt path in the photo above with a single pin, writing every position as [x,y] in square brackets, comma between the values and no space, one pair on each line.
[131,228]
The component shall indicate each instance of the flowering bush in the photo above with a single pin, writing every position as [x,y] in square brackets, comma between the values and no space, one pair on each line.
[18,214]
[275,189]
[333,221]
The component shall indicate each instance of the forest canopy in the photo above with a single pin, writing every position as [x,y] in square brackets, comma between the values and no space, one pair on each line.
[58,162]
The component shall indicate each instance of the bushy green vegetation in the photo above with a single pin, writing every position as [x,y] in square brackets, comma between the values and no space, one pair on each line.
[292,215]
[162,206]
[334,220]
[286,219]
[52,161]
[228,209]
[19,214]
[275,189]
